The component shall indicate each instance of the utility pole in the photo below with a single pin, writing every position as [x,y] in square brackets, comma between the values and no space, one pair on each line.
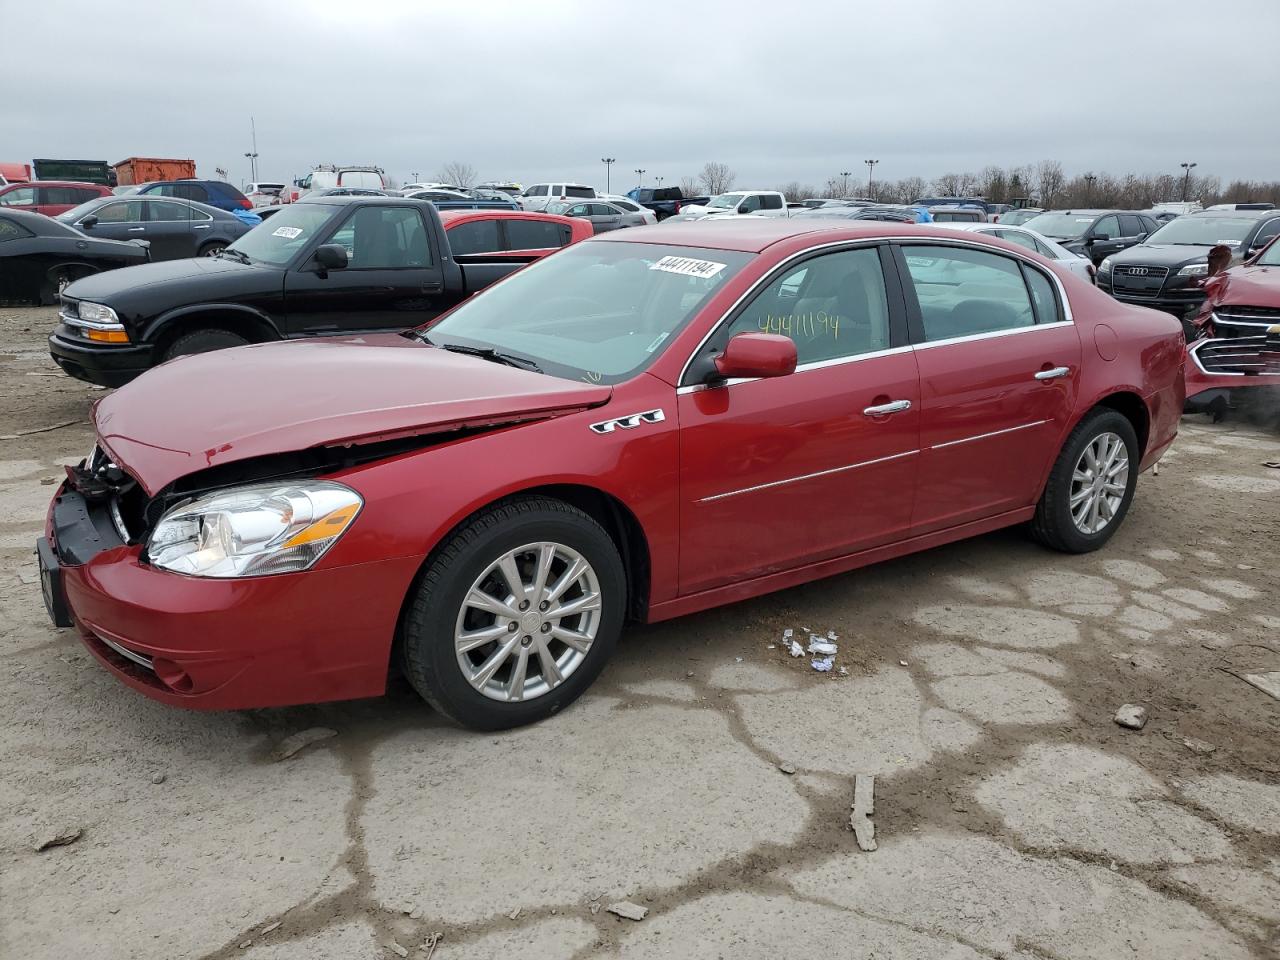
[253,157]
[659,179]
[871,169]
[640,172]
[1186,179]
[844,187]
[1090,179]
[608,167]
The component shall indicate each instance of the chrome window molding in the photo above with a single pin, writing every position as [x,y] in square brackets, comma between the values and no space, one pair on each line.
[801,368]
[873,241]
[991,334]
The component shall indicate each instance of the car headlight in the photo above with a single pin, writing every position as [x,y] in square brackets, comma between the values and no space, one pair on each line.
[255,530]
[96,313]
[1194,270]
[1105,265]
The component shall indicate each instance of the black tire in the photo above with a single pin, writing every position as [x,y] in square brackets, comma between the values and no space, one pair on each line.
[429,659]
[59,279]
[1053,524]
[209,249]
[203,341]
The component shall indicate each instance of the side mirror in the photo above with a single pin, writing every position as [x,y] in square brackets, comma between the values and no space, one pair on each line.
[757,355]
[89,222]
[332,256]
[1098,236]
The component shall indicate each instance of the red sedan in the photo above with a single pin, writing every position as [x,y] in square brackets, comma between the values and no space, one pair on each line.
[643,425]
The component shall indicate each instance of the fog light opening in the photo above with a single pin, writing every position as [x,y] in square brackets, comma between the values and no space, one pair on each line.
[173,676]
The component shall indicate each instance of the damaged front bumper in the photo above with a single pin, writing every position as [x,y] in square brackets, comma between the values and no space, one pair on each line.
[1216,367]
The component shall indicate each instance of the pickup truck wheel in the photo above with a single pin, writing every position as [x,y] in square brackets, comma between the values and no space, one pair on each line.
[212,249]
[1091,485]
[203,341]
[515,615]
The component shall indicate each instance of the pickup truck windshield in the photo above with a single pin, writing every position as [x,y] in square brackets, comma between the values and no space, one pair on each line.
[597,311]
[726,200]
[276,241]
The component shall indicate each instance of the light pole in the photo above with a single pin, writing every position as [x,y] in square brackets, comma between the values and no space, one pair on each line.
[608,168]
[253,156]
[640,172]
[1186,179]
[871,169]
[659,180]
[844,188]
[1090,179]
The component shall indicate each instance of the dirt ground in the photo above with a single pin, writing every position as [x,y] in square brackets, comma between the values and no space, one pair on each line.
[1014,817]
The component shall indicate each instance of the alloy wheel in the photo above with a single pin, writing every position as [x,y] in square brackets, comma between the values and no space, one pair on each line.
[528,622]
[1099,483]
[213,251]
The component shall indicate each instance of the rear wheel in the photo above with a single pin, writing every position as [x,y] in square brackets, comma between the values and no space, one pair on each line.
[203,341]
[212,249]
[58,281]
[515,615]
[1091,485]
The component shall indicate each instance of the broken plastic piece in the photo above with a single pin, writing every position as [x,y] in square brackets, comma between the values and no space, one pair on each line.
[823,648]
[788,633]
[628,910]
[864,805]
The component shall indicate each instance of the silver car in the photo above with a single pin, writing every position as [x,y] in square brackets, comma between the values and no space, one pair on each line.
[602,214]
[1082,267]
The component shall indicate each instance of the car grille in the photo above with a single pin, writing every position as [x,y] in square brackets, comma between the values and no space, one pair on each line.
[1135,280]
[1239,355]
[1236,321]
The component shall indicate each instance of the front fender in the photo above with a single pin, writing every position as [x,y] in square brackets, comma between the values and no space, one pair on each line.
[152,328]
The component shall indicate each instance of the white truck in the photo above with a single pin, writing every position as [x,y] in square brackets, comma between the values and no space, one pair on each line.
[759,203]
[328,175]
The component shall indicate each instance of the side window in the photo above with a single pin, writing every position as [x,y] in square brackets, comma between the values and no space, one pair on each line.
[11,231]
[474,236]
[967,292]
[1044,250]
[603,210]
[163,190]
[1269,230]
[189,191]
[841,309]
[579,210]
[165,211]
[535,234]
[84,196]
[771,202]
[1109,225]
[384,238]
[1042,296]
[1131,226]
[1018,237]
[22,197]
[750,204]
[123,211]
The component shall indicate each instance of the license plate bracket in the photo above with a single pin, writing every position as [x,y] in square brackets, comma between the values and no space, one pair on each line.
[55,600]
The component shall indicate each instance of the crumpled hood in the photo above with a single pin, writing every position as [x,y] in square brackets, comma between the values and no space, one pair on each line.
[215,408]
[1246,286]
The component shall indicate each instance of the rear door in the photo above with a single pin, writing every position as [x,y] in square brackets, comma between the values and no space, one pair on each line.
[604,217]
[169,229]
[393,280]
[999,370]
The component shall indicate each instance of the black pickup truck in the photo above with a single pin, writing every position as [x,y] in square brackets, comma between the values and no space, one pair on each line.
[328,267]
[663,201]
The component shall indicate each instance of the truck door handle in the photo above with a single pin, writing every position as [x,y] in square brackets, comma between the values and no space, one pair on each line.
[897,406]
[434,287]
[137,230]
[1053,374]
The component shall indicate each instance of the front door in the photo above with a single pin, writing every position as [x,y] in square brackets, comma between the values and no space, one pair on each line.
[393,279]
[999,371]
[778,473]
[118,220]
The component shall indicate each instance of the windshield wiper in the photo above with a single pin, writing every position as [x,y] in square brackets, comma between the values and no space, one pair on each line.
[234,254]
[488,353]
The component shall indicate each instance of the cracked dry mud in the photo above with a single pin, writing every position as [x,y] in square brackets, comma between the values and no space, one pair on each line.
[1014,819]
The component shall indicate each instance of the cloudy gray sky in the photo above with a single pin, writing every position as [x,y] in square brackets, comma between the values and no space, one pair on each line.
[536,91]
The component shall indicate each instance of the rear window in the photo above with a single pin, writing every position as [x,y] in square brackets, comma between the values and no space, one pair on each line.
[582,193]
[360,178]
[11,231]
[535,234]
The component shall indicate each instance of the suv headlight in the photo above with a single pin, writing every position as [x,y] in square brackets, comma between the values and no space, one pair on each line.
[1105,265]
[255,530]
[1194,270]
[96,313]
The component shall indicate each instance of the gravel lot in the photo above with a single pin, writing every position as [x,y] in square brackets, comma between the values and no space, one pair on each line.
[1014,818]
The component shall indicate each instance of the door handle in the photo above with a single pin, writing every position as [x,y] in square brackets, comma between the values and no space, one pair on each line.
[1053,374]
[201,226]
[432,287]
[137,230]
[897,406]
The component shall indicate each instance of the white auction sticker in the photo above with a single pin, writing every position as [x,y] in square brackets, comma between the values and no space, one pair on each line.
[703,269]
[289,233]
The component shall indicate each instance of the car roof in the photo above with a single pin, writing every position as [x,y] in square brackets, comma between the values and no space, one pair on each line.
[52,183]
[754,235]
[455,216]
[1232,214]
[148,198]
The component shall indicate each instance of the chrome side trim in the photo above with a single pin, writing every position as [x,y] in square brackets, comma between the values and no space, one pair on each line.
[984,436]
[809,476]
[868,241]
[138,658]
[629,422]
[929,344]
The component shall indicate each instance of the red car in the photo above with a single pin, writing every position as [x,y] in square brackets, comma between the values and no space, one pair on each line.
[640,426]
[50,197]
[515,236]
[1234,342]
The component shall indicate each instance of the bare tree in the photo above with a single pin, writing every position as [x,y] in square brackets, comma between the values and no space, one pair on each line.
[795,191]
[717,178]
[1049,181]
[458,174]
[689,186]
[948,185]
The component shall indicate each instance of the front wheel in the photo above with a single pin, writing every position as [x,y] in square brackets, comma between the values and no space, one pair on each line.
[1091,485]
[203,341]
[515,615]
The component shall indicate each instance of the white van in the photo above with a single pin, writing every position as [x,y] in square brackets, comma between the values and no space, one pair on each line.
[328,175]
[539,195]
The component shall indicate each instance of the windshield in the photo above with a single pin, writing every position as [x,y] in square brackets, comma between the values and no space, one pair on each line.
[597,311]
[1204,231]
[726,201]
[1060,226]
[277,241]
